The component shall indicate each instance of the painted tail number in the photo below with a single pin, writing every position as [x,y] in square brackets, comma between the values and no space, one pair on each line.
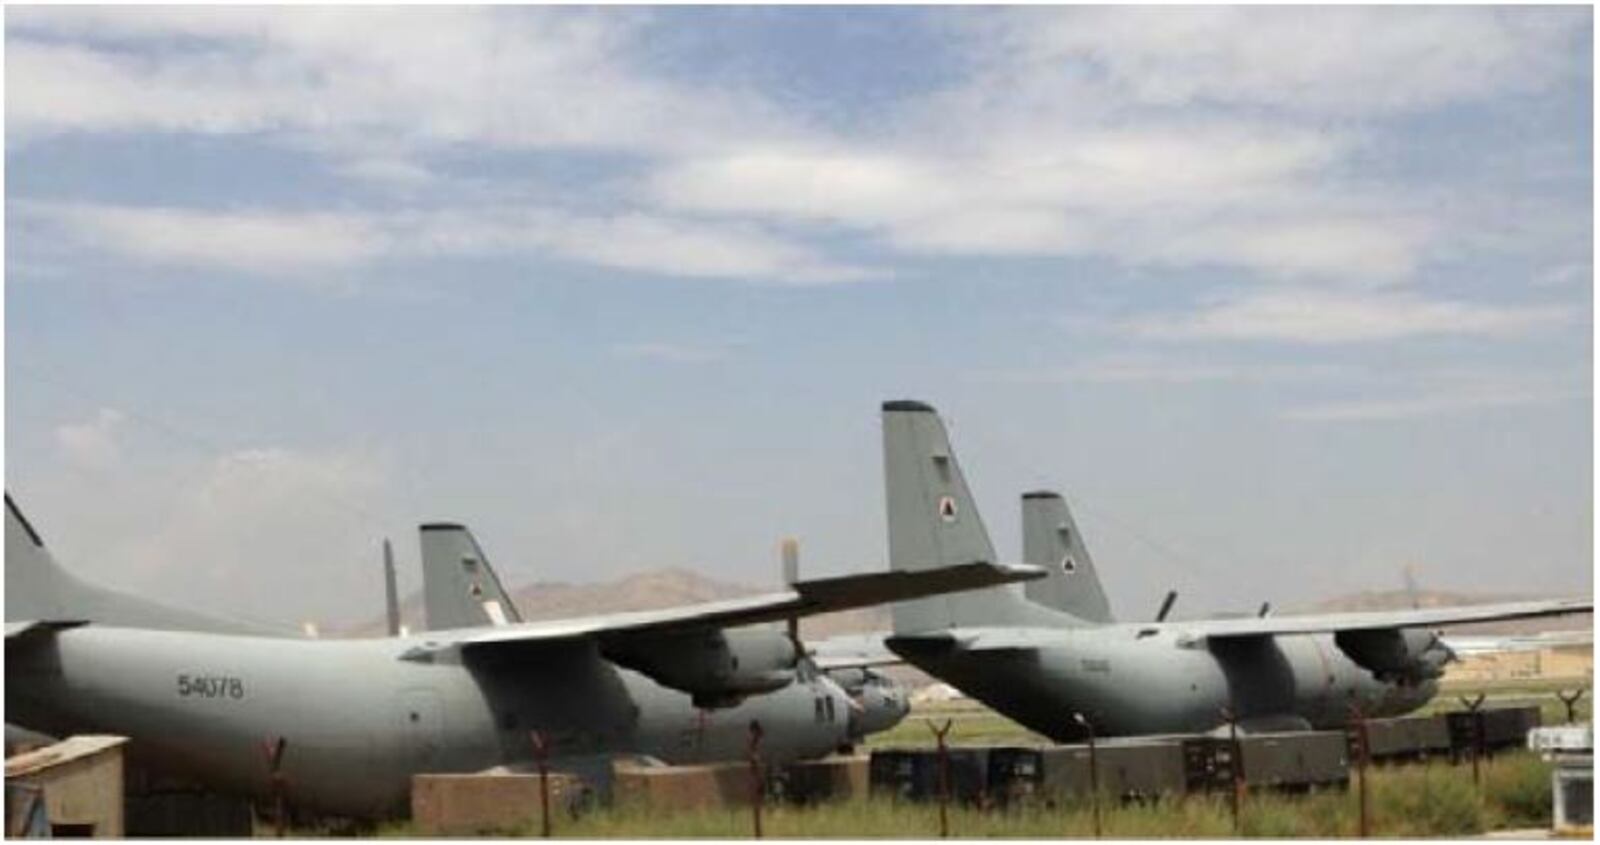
[210,686]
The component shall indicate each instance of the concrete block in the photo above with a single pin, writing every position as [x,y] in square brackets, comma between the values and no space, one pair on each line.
[479,803]
[831,779]
[682,787]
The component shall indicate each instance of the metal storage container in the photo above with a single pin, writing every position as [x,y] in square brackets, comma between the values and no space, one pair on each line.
[1409,737]
[913,774]
[1294,761]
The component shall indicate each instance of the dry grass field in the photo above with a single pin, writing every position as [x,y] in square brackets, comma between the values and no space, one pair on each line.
[1407,801]
[1416,800]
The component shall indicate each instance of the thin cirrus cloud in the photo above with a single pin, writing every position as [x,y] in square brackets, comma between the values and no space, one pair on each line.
[1432,400]
[289,244]
[1320,317]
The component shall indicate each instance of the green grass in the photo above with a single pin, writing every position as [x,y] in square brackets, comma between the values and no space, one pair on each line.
[970,724]
[1416,800]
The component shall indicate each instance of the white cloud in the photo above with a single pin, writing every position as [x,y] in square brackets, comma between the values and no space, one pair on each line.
[263,242]
[1128,369]
[92,444]
[266,533]
[305,245]
[1319,317]
[1436,400]
[503,77]
[1328,60]
[1171,137]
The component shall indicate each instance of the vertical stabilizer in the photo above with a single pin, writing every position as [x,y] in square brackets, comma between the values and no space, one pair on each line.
[1050,538]
[34,583]
[459,587]
[933,522]
[39,589]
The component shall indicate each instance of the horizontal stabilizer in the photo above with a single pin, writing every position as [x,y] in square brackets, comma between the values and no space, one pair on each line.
[35,628]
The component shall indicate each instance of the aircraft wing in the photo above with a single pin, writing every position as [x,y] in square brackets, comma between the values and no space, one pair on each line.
[1432,617]
[804,598]
[1529,642]
[859,651]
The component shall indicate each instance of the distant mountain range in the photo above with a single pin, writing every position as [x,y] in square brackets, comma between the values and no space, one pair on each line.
[662,588]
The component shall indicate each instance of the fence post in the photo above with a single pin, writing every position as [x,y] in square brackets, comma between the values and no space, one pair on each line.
[1236,765]
[541,757]
[1094,772]
[944,776]
[1572,703]
[1473,706]
[274,750]
[757,792]
[1363,751]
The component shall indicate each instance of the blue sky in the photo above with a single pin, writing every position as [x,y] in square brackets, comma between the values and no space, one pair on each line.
[1284,300]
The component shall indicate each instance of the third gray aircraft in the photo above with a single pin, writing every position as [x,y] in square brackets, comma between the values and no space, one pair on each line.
[1049,652]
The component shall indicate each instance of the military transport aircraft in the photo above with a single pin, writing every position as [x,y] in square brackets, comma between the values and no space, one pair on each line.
[460,589]
[1041,652]
[360,716]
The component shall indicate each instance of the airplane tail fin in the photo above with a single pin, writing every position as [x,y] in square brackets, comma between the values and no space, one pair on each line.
[459,587]
[40,589]
[934,522]
[1050,538]
[33,578]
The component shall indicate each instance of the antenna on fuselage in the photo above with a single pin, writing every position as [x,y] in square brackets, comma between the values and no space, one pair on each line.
[1166,605]
[790,553]
[391,592]
[1266,608]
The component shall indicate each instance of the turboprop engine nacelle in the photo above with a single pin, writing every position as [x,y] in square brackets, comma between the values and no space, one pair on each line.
[1399,655]
[718,668]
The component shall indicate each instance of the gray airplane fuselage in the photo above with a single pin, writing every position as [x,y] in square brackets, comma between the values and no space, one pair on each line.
[1129,681]
[359,719]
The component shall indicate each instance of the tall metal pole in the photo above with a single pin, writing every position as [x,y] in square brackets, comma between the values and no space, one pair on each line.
[944,777]
[757,793]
